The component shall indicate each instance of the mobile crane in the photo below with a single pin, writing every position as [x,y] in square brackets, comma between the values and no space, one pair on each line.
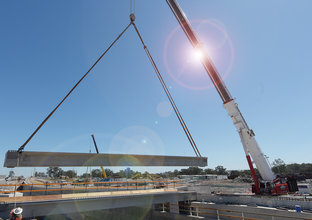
[269,184]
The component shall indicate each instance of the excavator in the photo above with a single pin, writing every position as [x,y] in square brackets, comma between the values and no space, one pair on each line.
[269,183]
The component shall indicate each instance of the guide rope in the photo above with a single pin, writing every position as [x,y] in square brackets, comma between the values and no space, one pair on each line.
[44,121]
[176,110]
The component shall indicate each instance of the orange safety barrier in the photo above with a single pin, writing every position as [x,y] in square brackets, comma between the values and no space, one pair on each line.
[84,188]
[115,182]
[120,184]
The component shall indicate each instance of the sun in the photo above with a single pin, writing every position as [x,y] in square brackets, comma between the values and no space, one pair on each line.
[198,54]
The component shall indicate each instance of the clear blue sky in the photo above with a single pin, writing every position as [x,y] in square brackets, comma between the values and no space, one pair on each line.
[262,49]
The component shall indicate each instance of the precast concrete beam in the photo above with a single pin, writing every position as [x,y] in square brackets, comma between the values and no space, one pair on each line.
[50,159]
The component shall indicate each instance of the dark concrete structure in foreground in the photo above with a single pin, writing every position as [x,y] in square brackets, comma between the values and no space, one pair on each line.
[49,159]
[88,202]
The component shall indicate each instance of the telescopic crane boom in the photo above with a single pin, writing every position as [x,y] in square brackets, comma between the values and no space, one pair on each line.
[247,135]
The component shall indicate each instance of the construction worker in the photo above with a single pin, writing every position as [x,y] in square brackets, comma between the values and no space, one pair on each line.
[16,214]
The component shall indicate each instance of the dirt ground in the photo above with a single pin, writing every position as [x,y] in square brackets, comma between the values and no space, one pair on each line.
[220,186]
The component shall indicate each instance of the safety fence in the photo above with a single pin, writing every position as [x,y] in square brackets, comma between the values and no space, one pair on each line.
[68,187]
[202,211]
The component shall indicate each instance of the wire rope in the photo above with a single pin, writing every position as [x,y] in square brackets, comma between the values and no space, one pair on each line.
[176,110]
[51,113]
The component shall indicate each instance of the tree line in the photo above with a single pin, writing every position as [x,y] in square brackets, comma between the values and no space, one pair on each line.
[303,170]
[278,167]
[57,172]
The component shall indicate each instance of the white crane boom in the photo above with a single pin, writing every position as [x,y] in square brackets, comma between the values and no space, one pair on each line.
[247,135]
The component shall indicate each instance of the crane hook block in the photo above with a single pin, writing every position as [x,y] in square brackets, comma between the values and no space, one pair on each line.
[132,17]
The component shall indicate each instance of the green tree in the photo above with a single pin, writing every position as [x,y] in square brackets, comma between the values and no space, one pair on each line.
[209,171]
[70,173]
[279,167]
[176,172]
[306,168]
[220,170]
[234,174]
[121,173]
[55,172]
[96,173]
[246,173]
[126,173]
[191,171]
[293,168]
[40,174]
[109,173]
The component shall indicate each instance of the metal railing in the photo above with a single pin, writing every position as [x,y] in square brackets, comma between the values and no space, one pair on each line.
[200,211]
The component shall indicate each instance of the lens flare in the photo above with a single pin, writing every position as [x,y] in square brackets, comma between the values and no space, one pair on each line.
[187,70]
[137,140]
[198,54]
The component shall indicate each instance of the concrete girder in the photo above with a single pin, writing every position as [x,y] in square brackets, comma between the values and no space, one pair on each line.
[49,159]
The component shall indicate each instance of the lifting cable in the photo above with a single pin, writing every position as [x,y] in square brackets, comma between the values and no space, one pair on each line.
[132,7]
[176,110]
[20,150]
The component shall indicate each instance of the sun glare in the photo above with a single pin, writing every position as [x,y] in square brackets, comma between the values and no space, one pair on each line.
[196,55]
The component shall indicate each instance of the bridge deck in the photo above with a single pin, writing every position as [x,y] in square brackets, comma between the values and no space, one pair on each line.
[23,199]
[82,202]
